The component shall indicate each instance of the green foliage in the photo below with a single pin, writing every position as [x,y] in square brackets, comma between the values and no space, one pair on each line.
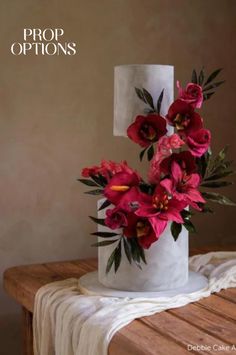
[176,229]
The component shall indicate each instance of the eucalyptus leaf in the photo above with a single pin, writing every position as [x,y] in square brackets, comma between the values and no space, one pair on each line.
[212,76]
[159,101]
[218,198]
[87,182]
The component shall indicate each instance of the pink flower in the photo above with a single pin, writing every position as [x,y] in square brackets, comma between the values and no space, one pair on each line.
[141,229]
[199,141]
[183,187]
[106,169]
[192,94]
[147,129]
[182,116]
[159,209]
[115,218]
[120,185]
[185,160]
[164,149]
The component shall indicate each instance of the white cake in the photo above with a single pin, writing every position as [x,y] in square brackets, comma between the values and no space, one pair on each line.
[166,268]
[167,260]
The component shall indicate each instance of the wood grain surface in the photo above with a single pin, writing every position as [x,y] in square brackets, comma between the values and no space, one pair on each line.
[210,322]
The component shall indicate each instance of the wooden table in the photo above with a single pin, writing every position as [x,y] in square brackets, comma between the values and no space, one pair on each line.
[210,322]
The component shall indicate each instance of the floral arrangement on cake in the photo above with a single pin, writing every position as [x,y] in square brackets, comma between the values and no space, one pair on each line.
[181,173]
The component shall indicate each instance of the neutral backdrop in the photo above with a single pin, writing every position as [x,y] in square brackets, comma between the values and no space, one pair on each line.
[56,116]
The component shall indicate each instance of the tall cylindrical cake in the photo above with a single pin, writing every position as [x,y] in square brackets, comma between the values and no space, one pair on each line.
[154,78]
[167,259]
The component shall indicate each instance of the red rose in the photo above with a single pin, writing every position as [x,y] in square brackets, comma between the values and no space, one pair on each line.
[182,116]
[185,160]
[141,229]
[147,129]
[191,95]
[199,141]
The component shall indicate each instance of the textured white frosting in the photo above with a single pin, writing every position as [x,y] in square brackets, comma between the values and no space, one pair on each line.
[127,105]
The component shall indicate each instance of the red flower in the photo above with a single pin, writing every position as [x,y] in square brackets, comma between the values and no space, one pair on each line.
[141,229]
[116,218]
[185,160]
[183,187]
[182,116]
[147,129]
[199,141]
[107,169]
[191,95]
[159,209]
[120,185]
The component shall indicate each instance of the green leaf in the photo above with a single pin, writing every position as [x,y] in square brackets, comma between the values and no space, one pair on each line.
[216,184]
[159,101]
[148,110]
[148,98]
[205,208]
[201,77]
[186,214]
[105,234]
[208,95]
[213,76]
[105,204]
[87,182]
[213,86]
[189,226]
[150,152]
[104,243]
[127,249]
[141,155]
[220,175]
[117,256]
[217,198]
[100,180]
[94,192]
[140,95]
[110,261]
[100,221]
[142,255]
[194,77]
[175,229]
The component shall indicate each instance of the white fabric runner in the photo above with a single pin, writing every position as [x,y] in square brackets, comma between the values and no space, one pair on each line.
[68,323]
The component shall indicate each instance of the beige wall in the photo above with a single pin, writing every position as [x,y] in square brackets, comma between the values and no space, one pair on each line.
[56,116]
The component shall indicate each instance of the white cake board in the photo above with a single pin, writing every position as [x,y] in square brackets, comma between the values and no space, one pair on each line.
[89,285]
